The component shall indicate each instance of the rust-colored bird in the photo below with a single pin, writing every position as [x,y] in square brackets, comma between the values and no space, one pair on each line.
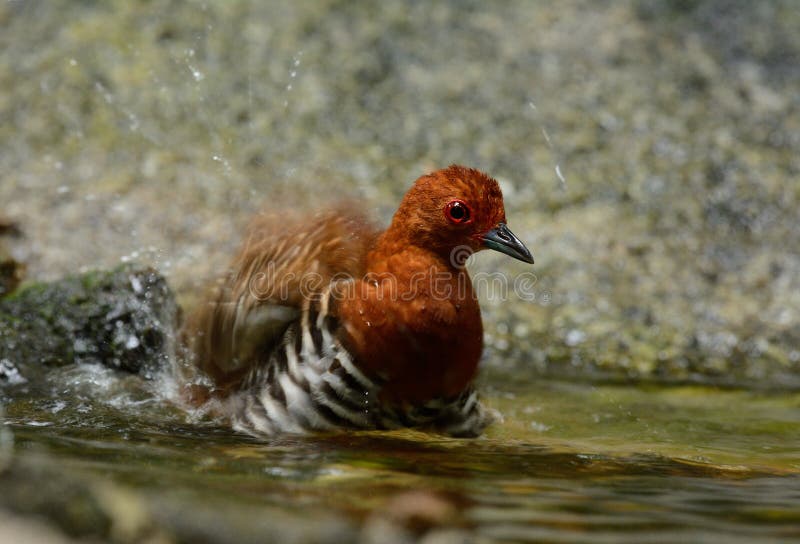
[324,323]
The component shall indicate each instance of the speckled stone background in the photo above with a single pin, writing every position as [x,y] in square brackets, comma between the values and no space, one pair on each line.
[150,131]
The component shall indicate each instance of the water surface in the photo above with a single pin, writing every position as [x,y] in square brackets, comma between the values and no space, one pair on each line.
[571,462]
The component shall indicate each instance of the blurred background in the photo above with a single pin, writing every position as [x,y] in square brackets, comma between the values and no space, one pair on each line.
[649,153]
[648,150]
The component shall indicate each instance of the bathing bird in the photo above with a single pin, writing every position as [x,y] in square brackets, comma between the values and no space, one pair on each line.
[325,323]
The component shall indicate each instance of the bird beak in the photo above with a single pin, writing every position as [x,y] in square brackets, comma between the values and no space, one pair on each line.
[503,240]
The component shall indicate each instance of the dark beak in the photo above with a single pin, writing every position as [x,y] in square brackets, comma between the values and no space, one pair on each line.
[503,240]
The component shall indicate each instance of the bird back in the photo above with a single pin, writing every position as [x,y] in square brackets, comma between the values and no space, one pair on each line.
[286,260]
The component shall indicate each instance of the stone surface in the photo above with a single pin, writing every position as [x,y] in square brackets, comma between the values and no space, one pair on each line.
[124,319]
[25,531]
[11,271]
[86,508]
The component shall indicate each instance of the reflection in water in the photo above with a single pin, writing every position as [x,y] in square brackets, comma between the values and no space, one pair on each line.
[566,483]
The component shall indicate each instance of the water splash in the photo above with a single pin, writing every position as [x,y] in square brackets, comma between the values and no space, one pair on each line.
[226,165]
[554,154]
[196,73]
[133,122]
[292,75]
[561,176]
[104,92]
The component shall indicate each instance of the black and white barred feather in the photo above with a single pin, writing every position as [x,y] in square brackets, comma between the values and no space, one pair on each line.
[308,382]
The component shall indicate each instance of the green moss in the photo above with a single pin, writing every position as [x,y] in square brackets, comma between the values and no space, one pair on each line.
[123,318]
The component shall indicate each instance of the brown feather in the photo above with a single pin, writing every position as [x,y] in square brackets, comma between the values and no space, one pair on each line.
[285,258]
[411,320]
[420,329]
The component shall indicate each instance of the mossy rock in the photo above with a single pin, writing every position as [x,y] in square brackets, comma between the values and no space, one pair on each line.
[123,318]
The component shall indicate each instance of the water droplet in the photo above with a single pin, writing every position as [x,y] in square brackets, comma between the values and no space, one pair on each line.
[132,342]
[80,346]
[560,175]
[10,374]
[540,427]
[196,74]
[575,337]
[225,164]
[136,284]
[547,138]
[107,96]
[133,122]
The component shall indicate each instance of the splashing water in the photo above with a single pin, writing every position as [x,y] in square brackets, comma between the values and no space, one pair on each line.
[554,155]
[196,74]
[226,165]
[292,75]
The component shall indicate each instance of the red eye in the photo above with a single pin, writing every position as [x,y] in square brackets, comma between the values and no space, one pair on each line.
[457,212]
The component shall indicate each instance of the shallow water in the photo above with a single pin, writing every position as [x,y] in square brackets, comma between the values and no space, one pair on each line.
[571,462]
[150,132]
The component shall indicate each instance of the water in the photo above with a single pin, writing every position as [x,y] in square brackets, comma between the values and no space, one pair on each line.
[151,133]
[572,462]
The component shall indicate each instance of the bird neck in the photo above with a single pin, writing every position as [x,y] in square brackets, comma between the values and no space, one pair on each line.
[414,323]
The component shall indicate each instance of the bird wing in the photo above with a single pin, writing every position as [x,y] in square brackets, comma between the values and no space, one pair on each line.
[285,259]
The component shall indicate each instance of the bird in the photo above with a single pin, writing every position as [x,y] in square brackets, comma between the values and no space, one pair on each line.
[324,322]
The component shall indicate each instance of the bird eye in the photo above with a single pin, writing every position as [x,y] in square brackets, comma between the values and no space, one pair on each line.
[457,212]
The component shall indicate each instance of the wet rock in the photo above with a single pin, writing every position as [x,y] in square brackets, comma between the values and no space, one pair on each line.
[87,508]
[11,271]
[65,500]
[28,531]
[9,227]
[417,516]
[123,319]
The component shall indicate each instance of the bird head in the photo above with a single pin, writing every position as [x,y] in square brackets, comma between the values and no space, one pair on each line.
[456,211]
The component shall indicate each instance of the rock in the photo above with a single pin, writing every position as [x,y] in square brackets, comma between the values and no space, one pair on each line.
[417,516]
[9,227]
[20,530]
[11,274]
[124,319]
[11,271]
[88,508]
